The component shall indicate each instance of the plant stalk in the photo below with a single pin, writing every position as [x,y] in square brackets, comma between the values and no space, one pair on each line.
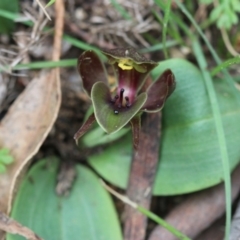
[142,175]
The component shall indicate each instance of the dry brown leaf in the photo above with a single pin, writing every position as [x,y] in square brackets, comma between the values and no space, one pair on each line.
[30,119]
[11,226]
[26,126]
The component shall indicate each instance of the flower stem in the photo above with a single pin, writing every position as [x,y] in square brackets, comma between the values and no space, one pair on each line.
[142,175]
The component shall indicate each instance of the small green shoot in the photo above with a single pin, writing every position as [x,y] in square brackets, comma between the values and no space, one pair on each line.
[225,13]
[5,159]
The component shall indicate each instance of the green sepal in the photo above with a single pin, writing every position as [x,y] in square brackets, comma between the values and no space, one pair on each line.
[105,111]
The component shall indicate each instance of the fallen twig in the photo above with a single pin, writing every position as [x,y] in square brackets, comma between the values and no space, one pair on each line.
[235,228]
[215,231]
[11,226]
[198,211]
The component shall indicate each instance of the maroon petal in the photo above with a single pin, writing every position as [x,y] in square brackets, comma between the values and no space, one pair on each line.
[91,70]
[159,91]
[129,81]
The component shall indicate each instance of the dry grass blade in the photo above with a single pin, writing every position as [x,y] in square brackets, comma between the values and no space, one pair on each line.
[43,9]
[11,226]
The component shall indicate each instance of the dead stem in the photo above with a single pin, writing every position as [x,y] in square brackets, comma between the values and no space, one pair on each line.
[142,175]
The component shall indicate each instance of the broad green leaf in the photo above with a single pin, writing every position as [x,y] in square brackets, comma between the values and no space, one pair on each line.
[190,159]
[105,113]
[6,25]
[87,213]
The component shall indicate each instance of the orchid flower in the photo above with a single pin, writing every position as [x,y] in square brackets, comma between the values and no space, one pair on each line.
[115,107]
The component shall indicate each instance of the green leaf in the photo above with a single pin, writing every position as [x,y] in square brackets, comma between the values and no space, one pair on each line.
[6,25]
[235,5]
[87,213]
[224,21]
[233,17]
[216,12]
[104,111]
[190,157]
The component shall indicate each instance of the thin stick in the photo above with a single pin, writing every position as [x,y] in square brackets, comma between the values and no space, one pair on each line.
[11,226]
[198,211]
[59,23]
